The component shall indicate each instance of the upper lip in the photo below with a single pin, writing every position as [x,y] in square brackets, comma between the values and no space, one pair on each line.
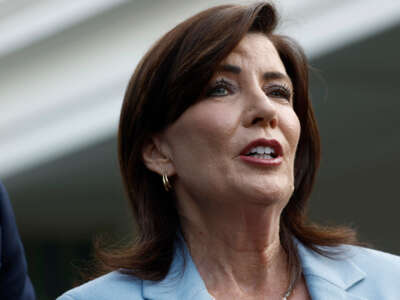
[274,144]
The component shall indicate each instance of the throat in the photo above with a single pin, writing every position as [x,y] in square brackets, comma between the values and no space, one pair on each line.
[242,274]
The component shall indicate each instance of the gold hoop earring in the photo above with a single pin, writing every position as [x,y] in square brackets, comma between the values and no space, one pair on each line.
[167,185]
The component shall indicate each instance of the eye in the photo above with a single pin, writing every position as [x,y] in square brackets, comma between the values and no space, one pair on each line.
[279,91]
[220,89]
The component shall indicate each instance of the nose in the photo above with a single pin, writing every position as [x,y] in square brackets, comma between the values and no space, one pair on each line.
[260,110]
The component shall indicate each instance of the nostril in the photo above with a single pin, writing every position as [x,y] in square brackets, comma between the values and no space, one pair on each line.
[274,122]
[256,120]
[264,122]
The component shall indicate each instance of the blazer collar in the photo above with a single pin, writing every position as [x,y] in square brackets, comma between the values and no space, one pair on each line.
[329,278]
[182,282]
[326,278]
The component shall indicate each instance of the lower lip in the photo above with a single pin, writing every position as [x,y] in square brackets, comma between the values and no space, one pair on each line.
[259,161]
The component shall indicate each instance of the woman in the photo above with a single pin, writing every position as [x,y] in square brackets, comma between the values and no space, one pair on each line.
[218,150]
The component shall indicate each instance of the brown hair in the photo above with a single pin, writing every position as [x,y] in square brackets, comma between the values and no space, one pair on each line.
[170,78]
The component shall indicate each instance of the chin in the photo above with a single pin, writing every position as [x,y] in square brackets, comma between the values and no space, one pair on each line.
[268,195]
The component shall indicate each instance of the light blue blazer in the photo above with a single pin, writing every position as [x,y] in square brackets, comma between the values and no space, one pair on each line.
[362,274]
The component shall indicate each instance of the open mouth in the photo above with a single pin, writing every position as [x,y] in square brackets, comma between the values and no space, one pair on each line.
[262,152]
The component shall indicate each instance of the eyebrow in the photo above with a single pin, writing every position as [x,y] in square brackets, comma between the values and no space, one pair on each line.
[275,75]
[267,75]
[230,68]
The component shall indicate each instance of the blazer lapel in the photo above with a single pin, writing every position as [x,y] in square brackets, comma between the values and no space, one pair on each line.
[330,279]
[183,281]
[320,289]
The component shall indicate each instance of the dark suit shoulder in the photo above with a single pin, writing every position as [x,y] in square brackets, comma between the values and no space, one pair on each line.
[14,281]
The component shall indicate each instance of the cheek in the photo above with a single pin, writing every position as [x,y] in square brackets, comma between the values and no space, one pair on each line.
[293,130]
[200,133]
[207,120]
[296,131]
[214,120]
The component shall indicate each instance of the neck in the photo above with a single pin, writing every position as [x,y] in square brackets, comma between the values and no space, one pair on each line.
[238,249]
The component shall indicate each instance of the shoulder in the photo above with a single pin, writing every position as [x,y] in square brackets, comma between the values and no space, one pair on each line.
[15,282]
[4,201]
[381,271]
[351,269]
[374,262]
[367,259]
[114,285]
[6,211]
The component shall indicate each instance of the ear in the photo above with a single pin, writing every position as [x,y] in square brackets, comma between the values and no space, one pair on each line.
[156,157]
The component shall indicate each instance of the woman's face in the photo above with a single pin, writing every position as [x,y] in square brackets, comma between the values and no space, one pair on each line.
[237,144]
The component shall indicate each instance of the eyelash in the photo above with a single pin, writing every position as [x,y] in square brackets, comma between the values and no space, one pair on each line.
[220,83]
[284,91]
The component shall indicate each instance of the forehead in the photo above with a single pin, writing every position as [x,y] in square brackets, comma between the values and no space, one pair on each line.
[256,50]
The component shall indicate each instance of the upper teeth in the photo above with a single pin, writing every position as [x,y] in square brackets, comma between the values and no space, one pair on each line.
[261,150]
